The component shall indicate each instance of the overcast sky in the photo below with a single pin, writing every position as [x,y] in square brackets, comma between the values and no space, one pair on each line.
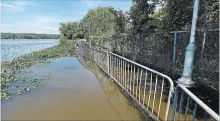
[44,16]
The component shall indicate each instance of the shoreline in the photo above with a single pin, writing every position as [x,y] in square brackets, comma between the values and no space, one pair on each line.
[12,71]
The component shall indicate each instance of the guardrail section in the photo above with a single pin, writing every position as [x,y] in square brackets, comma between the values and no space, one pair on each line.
[187,106]
[150,89]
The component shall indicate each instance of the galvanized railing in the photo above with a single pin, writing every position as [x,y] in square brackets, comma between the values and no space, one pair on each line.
[183,100]
[150,89]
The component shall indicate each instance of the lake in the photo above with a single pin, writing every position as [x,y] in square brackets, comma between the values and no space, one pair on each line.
[11,48]
[74,92]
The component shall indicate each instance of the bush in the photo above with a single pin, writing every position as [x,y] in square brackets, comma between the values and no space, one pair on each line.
[63,40]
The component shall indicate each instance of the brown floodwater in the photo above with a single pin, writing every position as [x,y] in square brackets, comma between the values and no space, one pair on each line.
[72,93]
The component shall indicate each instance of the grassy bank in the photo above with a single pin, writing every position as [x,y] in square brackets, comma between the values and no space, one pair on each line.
[13,71]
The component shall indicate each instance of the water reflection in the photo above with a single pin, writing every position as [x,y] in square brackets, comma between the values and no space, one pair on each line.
[72,93]
[113,93]
[152,99]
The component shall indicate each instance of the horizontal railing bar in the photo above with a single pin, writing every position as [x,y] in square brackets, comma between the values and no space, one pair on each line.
[102,50]
[196,30]
[134,98]
[149,69]
[200,103]
[123,63]
[142,66]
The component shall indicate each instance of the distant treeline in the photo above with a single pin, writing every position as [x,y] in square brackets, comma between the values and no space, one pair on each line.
[28,36]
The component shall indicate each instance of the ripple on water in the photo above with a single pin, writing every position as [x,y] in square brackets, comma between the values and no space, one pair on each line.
[71,94]
[11,48]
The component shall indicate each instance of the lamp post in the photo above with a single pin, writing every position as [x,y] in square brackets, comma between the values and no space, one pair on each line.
[186,79]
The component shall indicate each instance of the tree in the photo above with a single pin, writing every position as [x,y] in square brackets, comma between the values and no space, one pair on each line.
[157,19]
[120,21]
[71,30]
[140,15]
[28,36]
[178,14]
[99,23]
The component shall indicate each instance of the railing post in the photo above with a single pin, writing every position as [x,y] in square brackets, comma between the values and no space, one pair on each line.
[175,103]
[174,47]
[203,42]
[108,61]
[81,44]
[186,78]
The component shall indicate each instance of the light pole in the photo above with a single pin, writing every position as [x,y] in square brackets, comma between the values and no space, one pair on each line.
[186,79]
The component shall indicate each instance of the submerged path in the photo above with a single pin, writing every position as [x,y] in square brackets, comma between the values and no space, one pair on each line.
[72,93]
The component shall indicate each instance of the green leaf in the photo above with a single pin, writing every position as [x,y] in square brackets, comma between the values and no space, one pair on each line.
[20,92]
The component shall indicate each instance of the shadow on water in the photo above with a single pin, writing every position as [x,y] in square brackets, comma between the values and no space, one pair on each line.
[117,72]
[72,93]
[111,89]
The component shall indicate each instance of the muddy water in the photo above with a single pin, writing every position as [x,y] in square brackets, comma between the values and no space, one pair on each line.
[72,93]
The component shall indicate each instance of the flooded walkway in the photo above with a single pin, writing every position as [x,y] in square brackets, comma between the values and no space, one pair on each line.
[72,93]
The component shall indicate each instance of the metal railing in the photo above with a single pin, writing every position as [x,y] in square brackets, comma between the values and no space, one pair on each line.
[187,98]
[150,89]
[143,84]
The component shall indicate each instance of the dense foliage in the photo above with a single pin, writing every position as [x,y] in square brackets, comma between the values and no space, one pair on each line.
[71,30]
[28,36]
[142,18]
[97,24]
[143,32]
[178,14]
[140,12]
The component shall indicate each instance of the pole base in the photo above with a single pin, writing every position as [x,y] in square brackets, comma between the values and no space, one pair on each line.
[186,81]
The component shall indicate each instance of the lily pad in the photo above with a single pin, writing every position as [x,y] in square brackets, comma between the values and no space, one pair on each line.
[20,92]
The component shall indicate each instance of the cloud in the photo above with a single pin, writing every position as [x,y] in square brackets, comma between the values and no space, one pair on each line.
[14,6]
[6,25]
[49,28]
[41,29]
[90,3]
[38,24]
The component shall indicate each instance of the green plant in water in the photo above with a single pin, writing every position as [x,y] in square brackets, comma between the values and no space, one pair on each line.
[11,71]
[4,95]
[26,89]
[20,92]
[34,86]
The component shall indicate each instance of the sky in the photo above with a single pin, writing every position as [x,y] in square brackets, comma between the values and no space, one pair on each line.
[44,16]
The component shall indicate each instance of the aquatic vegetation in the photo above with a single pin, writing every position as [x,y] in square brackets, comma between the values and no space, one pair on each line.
[42,56]
[15,70]
[25,89]
[20,92]
[4,94]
